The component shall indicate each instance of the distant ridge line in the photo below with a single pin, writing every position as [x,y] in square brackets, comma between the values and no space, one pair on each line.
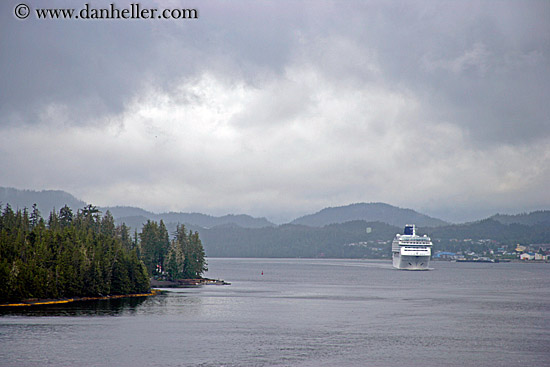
[47,200]
[376,211]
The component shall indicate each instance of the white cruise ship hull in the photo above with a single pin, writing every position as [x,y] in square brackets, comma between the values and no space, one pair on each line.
[411,252]
[410,262]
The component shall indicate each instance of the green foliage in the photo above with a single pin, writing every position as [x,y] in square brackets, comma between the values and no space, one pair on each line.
[183,258]
[70,256]
[154,246]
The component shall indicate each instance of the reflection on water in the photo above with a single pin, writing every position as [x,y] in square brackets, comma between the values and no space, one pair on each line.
[107,307]
[300,312]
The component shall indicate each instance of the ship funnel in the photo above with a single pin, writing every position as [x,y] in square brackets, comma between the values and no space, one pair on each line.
[410,229]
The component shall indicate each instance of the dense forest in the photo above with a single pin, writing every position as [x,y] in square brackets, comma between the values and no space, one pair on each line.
[181,258]
[86,254]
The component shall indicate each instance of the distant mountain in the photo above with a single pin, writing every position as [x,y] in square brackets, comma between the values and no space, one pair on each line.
[369,212]
[345,240]
[46,200]
[127,211]
[208,221]
[332,232]
[536,217]
[135,217]
[361,239]
[491,229]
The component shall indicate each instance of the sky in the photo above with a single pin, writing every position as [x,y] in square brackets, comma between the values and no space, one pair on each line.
[279,109]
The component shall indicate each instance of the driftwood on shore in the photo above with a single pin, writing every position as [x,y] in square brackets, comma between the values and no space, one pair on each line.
[182,283]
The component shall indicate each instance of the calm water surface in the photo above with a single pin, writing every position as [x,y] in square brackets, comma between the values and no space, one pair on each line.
[303,313]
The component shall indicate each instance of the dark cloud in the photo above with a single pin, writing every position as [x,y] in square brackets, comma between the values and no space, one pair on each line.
[284,107]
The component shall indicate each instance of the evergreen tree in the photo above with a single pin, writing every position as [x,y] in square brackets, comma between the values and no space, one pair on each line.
[108,225]
[70,257]
[163,244]
[35,216]
[65,216]
[181,258]
[53,221]
[123,234]
[155,244]
[186,256]
[148,238]
[195,262]
[176,258]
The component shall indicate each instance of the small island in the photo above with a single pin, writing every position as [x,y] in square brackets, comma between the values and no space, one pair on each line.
[84,256]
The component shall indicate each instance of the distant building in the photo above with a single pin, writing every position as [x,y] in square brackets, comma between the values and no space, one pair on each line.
[520,248]
[543,246]
[539,256]
[445,255]
[527,256]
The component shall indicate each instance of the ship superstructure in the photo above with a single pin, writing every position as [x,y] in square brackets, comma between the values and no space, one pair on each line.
[411,252]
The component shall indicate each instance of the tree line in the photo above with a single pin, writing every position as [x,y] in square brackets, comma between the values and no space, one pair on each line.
[180,258]
[86,254]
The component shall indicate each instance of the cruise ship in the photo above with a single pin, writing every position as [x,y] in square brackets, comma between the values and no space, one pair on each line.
[411,252]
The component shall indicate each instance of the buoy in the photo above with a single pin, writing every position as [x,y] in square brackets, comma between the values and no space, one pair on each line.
[262,272]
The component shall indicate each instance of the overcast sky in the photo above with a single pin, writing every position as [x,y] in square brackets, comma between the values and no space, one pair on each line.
[279,109]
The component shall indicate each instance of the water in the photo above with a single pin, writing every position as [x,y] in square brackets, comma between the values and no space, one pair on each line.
[303,313]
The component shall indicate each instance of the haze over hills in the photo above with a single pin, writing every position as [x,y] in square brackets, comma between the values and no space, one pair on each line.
[369,212]
[45,200]
[536,217]
[135,217]
[331,232]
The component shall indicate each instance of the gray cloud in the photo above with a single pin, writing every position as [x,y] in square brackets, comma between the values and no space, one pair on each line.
[280,108]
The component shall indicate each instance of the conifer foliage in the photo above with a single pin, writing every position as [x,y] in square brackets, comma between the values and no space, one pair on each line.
[69,255]
[186,259]
[181,258]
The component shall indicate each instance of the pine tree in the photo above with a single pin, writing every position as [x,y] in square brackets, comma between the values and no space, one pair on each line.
[195,263]
[82,256]
[108,225]
[176,260]
[148,237]
[163,244]
[35,216]
[65,216]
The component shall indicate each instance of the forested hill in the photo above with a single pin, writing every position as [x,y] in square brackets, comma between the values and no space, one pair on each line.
[45,200]
[489,228]
[358,239]
[345,240]
[85,254]
[135,217]
[68,255]
[536,217]
[49,200]
[368,212]
[332,232]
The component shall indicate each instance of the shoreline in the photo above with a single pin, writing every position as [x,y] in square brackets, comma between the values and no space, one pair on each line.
[182,283]
[33,302]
